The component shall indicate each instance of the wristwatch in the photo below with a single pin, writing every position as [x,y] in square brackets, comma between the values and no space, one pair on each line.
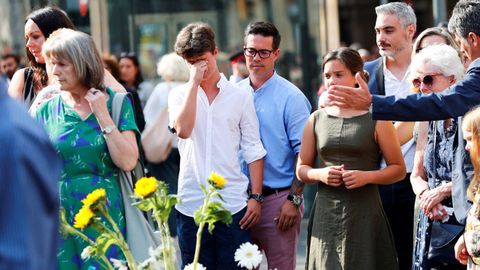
[256,196]
[295,199]
[108,129]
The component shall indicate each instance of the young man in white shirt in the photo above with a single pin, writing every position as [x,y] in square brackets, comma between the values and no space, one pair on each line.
[214,120]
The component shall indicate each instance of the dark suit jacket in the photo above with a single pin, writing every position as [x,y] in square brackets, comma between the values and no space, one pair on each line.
[454,102]
[376,83]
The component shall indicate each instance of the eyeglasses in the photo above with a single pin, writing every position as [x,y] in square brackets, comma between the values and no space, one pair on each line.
[251,52]
[128,54]
[427,80]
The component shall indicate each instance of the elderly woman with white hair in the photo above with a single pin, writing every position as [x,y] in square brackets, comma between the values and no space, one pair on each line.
[91,145]
[434,69]
[174,72]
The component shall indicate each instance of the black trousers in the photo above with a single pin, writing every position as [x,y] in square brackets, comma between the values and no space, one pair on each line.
[399,202]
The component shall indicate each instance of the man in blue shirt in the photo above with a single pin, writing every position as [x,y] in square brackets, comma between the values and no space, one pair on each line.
[282,110]
[29,174]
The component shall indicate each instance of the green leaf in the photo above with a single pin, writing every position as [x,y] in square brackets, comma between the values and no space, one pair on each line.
[202,187]
[144,205]
[102,243]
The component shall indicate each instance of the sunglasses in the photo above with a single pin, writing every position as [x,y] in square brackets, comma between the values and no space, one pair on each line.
[427,80]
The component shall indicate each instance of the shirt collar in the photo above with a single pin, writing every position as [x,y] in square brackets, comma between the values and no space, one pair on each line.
[268,82]
[222,83]
[474,63]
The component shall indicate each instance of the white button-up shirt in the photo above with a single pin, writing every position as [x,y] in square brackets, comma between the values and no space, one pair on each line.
[221,129]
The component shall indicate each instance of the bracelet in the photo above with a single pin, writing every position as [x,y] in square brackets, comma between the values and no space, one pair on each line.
[421,192]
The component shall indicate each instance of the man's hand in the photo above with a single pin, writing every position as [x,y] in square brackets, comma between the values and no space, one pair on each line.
[349,97]
[288,216]
[461,253]
[252,216]
[430,199]
[197,70]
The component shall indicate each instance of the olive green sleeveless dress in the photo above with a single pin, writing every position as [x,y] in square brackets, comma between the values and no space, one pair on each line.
[348,228]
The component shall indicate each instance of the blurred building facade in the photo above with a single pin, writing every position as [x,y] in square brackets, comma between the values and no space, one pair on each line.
[309,28]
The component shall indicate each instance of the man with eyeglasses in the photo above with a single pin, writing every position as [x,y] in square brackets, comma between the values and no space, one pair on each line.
[395,28]
[282,110]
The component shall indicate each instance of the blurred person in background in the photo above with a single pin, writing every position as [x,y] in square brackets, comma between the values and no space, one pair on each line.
[239,67]
[91,146]
[174,72]
[131,76]
[29,175]
[9,64]
[435,68]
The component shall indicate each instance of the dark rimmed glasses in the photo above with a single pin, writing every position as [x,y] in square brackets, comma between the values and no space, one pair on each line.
[427,80]
[251,52]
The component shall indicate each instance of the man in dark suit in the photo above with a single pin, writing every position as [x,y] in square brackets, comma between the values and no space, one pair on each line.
[453,102]
[395,28]
[29,201]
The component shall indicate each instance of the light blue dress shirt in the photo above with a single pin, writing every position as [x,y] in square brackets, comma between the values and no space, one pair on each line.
[282,111]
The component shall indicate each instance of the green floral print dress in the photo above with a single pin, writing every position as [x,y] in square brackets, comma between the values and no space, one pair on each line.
[87,165]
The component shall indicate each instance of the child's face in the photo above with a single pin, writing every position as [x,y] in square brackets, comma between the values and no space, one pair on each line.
[467,135]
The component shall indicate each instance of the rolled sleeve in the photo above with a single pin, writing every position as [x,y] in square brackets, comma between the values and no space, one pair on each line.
[252,147]
[175,99]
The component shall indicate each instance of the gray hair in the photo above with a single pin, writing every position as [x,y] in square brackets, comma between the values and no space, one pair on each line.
[442,57]
[172,67]
[79,49]
[405,13]
[464,18]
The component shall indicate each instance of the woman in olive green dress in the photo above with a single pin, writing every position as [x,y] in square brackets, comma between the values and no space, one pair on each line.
[348,227]
[79,124]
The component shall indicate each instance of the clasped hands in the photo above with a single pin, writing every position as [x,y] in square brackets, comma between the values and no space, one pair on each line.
[336,176]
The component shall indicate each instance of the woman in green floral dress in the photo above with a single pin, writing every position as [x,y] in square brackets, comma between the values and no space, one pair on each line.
[91,146]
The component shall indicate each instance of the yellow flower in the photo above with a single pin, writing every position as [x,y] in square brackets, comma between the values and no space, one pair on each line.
[146,186]
[216,180]
[83,217]
[94,196]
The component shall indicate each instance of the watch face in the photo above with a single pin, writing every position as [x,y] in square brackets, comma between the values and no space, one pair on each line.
[295,199]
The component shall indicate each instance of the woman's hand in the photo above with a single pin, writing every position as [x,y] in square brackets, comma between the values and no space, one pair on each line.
[431,198]
[332,175]
[98,102]
[355,179]
[438,212]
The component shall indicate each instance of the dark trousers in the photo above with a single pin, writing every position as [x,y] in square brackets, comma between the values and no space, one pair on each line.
[399,202]
[217,249]
[167,171]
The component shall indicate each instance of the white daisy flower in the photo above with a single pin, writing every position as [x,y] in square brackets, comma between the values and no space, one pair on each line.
[190,267]
[248,256]
[118,264]
[86,253]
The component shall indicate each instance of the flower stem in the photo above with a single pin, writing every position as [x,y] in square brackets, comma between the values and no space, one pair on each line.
[200,229]
[119,236]
[72,231]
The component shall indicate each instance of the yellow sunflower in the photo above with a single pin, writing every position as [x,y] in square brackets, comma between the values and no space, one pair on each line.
[145,186]
[94,196]
[83,217]
[216,180]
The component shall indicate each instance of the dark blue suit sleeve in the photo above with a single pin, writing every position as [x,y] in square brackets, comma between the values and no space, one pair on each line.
[454,102]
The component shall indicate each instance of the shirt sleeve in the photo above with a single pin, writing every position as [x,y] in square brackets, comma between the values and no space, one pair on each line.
[252,147]
[175,99]
[297,112]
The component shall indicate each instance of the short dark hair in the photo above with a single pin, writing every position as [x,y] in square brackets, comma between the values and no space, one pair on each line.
[266,29]
[350,58]
[195,39]
[11,55]
[464,18]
